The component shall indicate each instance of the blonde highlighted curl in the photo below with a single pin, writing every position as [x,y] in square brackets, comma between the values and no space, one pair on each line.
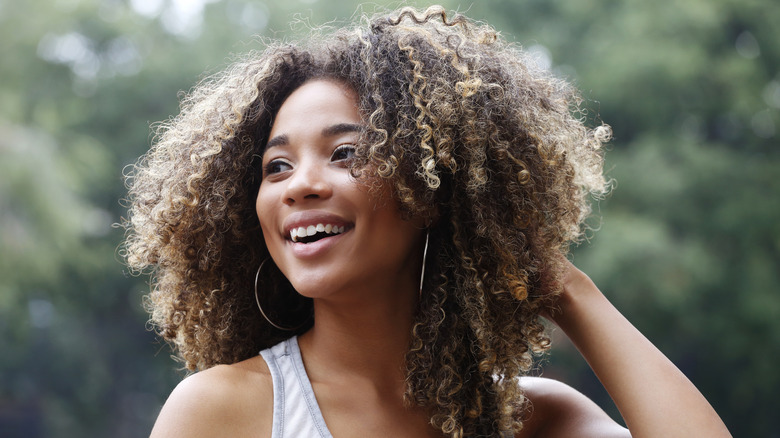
[471,134]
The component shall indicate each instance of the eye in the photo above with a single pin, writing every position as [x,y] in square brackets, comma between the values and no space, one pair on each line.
[344,152]
[276,166]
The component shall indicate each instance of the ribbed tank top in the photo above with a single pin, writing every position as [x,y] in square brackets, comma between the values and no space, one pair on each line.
[296,412]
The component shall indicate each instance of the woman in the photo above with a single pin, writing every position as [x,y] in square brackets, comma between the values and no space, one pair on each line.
[384,212]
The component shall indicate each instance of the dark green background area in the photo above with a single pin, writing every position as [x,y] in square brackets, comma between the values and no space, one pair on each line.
[688,243]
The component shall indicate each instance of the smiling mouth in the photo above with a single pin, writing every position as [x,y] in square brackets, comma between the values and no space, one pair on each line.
[313,233]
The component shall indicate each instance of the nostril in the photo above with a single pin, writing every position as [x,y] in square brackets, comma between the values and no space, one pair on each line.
[305,185]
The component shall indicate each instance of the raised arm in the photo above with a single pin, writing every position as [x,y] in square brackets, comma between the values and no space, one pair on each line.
[653,396]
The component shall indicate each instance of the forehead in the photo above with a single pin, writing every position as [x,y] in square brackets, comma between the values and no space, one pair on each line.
[316,103]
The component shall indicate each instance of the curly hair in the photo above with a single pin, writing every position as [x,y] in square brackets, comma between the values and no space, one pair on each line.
[471,135]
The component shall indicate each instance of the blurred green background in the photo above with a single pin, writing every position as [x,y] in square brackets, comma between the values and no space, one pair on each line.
[688,246]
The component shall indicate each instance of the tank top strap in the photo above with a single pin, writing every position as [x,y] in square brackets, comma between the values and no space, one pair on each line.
[296,412]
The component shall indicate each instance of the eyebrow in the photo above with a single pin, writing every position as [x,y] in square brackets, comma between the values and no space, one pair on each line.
[279,140]
[341,128]
[328,131]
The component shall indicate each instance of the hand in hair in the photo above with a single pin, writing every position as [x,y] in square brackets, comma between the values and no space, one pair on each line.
[652,394]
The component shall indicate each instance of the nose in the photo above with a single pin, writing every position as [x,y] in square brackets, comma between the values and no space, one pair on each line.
[308,181]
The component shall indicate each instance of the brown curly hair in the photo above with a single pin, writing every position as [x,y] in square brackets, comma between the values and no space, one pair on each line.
[471,135]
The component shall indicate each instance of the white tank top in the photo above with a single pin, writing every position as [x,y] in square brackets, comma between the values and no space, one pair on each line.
[296,412]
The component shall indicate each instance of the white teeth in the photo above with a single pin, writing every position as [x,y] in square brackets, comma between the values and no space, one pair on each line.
[297,233]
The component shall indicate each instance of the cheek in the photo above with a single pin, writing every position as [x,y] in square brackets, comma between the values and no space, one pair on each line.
[394,235]
[263,210]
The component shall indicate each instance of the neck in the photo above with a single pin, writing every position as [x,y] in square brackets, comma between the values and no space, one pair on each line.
[366,337]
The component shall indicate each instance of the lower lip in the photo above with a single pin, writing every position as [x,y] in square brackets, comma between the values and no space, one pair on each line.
[314,249]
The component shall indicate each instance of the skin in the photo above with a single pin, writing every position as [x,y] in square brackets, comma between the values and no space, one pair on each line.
[364,284]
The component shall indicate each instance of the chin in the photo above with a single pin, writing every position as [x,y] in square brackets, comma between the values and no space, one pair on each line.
[316,286]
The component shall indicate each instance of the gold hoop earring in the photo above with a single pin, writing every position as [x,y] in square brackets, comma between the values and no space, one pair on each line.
[257,300]
[425,254]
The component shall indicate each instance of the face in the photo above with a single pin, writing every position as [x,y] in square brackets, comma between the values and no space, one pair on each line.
[322,228]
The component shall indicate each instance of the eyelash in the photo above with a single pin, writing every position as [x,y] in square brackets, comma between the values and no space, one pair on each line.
[342,148]
[273,166]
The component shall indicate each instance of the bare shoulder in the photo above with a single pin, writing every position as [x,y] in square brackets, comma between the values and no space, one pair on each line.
[558,410]
[226,400]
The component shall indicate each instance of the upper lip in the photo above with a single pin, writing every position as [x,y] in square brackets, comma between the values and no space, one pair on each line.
[312,217]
